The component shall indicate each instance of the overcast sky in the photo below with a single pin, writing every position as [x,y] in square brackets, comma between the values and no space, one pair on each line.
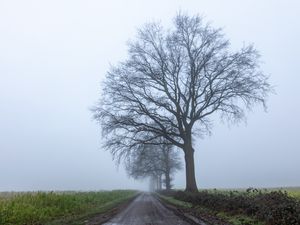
[54,54]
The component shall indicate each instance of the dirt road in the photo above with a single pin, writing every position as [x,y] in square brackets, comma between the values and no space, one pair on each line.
[146,210]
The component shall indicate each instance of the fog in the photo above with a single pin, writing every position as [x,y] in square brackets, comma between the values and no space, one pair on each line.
[54,55]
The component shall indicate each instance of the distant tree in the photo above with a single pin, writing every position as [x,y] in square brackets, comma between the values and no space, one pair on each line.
[170,163]
[172,83]
[144,163]
[154,161]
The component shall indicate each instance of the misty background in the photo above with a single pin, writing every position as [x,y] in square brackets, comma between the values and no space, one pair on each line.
[54,55]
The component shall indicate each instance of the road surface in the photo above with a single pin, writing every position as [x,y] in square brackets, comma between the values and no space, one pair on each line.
[146,210]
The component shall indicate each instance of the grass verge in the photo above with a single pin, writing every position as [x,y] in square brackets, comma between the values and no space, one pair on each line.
[210,216]
[274,207]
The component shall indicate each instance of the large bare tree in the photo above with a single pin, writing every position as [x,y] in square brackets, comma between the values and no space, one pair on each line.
[172,83]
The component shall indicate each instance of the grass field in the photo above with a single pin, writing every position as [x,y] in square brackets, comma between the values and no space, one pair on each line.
[291,191]
[35,208]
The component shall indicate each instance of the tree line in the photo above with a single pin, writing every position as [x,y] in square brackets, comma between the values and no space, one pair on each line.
[158,163]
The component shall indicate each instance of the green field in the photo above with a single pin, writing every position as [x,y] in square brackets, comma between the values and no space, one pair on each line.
[291,191]
[35,208]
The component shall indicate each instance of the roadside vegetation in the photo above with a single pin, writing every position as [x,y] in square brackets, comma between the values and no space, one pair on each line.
[238,207]
[35,208]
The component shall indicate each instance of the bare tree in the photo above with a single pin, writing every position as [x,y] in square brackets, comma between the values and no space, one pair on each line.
[154,161]
[172,83]
[170,163]
[145,162]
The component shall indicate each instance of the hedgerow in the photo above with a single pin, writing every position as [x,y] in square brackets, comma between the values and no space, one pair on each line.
[275,207]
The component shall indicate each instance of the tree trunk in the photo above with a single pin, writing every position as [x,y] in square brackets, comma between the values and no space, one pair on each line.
[191,185]
[168,180]
[167,169]
[153,184]
[160,182]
